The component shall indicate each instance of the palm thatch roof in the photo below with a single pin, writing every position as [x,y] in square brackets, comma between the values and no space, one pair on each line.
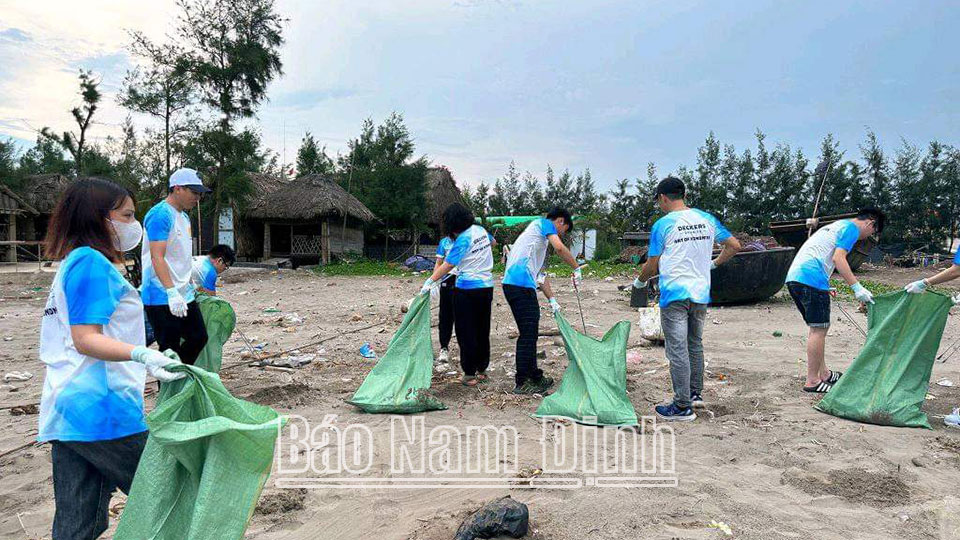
[11,203]
[42,191]
[307,198]
[442,191]
[265,183]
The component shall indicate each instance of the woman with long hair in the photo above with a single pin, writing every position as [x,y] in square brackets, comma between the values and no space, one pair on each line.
[91,340]
[472,255]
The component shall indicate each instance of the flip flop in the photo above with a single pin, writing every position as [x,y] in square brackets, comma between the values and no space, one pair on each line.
[834,376]
[821,388]
[469,380]
[482,377]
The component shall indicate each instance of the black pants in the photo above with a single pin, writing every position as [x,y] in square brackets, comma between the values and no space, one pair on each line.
[446,310]
[526,313]
[471,312]
[85,474]
[185,335]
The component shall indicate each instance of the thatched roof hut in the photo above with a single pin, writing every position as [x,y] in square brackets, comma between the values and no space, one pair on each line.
[42,191]
[306,198]
[442,191]
[310,218]
[13,204]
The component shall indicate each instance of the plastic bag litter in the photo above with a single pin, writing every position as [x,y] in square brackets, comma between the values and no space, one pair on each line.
[220,320]
[887,383]
[400,380]
[649,323]
[503,516]
[594,386]
[207,458]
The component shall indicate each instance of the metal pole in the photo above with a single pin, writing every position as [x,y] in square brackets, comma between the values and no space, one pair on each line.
[580,307]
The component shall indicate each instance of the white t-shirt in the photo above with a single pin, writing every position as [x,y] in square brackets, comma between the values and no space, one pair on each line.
[163,223]
[684,242]
[84,398]
[472,255]
[813,264]
[204,274]
[525,261]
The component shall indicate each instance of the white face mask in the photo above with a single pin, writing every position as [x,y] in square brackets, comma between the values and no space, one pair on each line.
[127,235]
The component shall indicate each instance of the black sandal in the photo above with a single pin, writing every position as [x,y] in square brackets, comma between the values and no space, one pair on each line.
[834,376]
[820,388]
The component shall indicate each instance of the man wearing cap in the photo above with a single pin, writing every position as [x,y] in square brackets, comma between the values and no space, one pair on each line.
[681,248]
[167,257]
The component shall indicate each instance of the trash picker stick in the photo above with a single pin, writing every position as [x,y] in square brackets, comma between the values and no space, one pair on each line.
[580,306]
[849,318]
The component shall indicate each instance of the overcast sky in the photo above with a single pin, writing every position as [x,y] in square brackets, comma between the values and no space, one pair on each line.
[609,85]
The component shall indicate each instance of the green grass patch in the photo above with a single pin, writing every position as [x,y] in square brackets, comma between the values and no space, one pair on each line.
[875,287]
[367,267]
[363,267]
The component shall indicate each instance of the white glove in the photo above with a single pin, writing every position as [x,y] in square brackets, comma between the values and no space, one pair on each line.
[157,362]
[637,284]
[713,264]
[916,287]
[578,276]
[554,306]
[176,302]
[955,298]
[427,286]
[862,293]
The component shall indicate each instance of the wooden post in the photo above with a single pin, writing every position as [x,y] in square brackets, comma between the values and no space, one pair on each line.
[325,242]
[266,240]
[12,236]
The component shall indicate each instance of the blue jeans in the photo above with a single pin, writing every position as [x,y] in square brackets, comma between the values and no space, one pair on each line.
[682,323]
[85,474]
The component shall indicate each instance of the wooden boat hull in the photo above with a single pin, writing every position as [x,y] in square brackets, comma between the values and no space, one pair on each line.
[750,276]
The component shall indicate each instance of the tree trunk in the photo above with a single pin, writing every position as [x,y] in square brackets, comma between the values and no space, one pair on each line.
[166,135]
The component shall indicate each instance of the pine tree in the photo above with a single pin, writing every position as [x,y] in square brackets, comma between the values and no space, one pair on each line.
[76,143]
[876,172]
[312,159]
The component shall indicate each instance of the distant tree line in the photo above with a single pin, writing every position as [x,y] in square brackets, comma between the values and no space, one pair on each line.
[918,188]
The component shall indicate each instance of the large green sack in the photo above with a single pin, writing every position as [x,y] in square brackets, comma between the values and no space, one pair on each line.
[220,320]
[887,382]
[206,460]
[400,382]
[594,386]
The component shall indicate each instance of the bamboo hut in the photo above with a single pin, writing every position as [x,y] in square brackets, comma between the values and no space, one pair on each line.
[41,192]
[12,209]
[308,219]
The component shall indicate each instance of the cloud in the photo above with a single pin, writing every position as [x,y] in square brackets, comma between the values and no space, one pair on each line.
[15,34]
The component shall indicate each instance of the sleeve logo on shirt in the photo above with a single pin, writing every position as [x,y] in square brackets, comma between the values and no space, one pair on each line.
[50,311]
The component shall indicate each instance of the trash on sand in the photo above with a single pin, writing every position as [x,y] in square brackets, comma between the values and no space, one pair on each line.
[271,310]
[243,293]
[930,396]
[953,420]
[18,376]
[944,382]
[291,319]
[717,321]
[721,526]
[634,357]
[21,410]
[507,354]
[649,372]
[367,352]
[8,339]
[559,352]
[649,324]
[291,361]
[502,517]
[777,333]
[608,278]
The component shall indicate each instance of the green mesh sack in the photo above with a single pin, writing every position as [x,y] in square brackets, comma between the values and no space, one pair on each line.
[594,386]
[207,458]
[220,320]
[400,382]
[887,382]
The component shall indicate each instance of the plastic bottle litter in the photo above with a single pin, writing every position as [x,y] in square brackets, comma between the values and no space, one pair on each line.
[953,420]
[366,351]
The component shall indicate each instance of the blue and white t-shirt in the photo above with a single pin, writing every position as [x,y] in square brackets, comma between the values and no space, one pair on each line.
[442,249]
[526,258]
[84,398]
[684,242]
[813,264]
[472,255]
[163,223]
[204,274]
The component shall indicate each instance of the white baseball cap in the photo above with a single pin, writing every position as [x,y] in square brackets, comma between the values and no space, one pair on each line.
[188,178]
